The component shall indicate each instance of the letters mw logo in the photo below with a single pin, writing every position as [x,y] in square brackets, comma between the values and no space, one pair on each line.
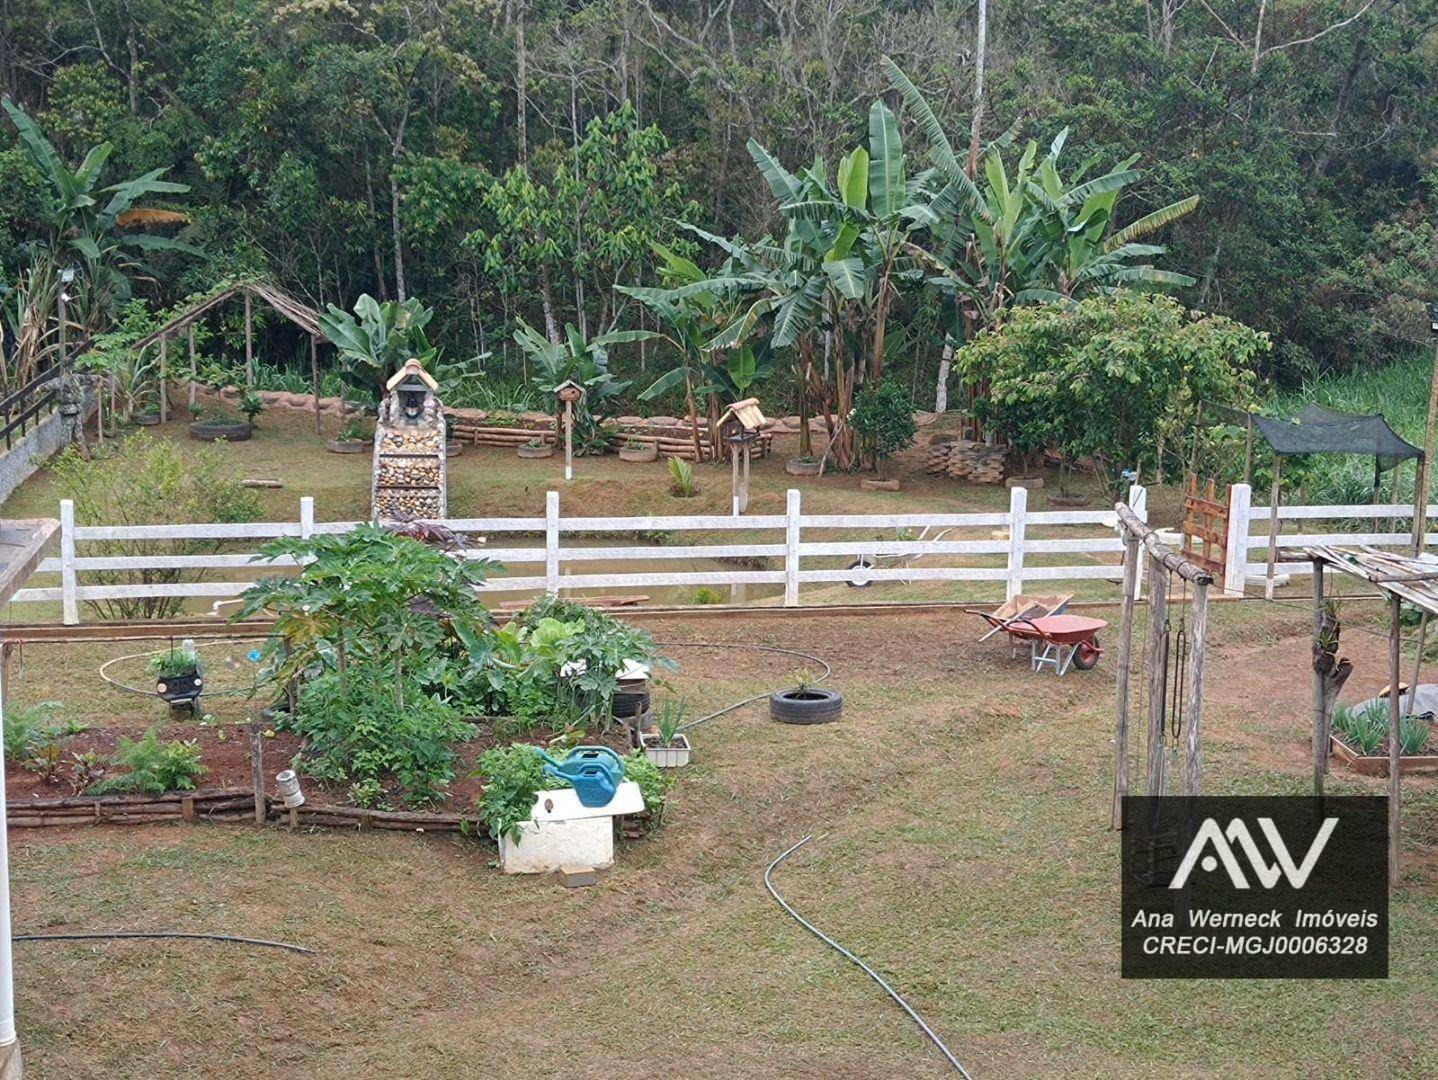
[1237,833]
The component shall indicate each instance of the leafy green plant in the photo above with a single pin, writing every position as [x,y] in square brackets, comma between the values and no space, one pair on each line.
[653,783]
[86,770]
[707,595]
[28,726]
[178,660]
[1412,734]
[883,419]
[45,761]
[379,337]
[196,411]
[251,405]
[153,767]
[670,721]
[368,793]
[354,431]
[512,776]
[681,478]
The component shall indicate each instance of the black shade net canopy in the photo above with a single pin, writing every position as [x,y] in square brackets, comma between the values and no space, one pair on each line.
[1317,430]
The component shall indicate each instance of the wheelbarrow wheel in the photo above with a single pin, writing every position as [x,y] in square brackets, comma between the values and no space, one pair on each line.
[1087,654]
[860,580]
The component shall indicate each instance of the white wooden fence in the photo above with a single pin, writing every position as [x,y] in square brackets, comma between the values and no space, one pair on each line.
[1248,526]
[1007,549]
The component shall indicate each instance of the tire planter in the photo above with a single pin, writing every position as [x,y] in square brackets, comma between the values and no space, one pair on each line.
[147,419]
[453,448]
[808,706]
[879,485]
[534,452]
[649,452]
[207,431]
[346,446]
[800,467]
[629,703]
[182,689]
[1058,498]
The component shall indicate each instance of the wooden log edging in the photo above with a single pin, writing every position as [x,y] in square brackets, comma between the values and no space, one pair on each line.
[221,804]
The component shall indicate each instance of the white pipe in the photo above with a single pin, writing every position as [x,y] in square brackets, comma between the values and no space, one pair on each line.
[9,1052]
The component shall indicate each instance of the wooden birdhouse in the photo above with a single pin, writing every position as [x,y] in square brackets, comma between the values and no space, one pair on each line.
[739,426]
[411,389]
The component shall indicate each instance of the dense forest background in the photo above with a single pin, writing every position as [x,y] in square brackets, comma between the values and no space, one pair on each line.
[517,157]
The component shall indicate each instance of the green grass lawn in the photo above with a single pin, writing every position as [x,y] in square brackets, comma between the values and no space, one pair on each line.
[960,812]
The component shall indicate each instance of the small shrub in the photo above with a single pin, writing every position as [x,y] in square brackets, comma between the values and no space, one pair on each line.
[86,770]
[653,784]
[179,660]
[681,478]
[353,431]
[368,793]
[883,419]
[153,767]
[251,405]
[27,727]
[512,776]
[1412,734]
[705,595]
[45,761]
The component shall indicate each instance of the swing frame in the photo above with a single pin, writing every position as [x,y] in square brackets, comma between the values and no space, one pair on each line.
[1143,548]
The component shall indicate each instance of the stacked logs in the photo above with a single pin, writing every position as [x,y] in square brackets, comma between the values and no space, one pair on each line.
[210,805]
[964,459]
[672,436]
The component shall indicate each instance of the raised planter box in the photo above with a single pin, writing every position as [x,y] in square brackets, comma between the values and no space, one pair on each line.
[347,446]
[564,834]
[667,757]
[209,431]
[1377,764]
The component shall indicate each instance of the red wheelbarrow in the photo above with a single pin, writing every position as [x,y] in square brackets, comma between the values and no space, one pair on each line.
[1055,641]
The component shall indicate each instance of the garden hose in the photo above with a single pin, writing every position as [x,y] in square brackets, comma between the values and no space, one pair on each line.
[742,645]
[827,940]
[113,935]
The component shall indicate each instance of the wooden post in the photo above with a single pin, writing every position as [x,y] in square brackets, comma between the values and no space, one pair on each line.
[1272,528]
[257,767]
[1425,474]
[1320,684]
[1248,453]
[1235,552]
[551,543]
[744,482]
[315,381]
[569,440]
[1193,694]
[1417,663]
[1124,675]
[791,548]
[1018,518]
[69,602]
[193,369]
[1395,774]
[734,479]
[1157,641]
[249,346]
[164,378]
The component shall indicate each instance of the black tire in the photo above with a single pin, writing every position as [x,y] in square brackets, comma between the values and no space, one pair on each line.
[627,704]
[1086,654]
[811,706]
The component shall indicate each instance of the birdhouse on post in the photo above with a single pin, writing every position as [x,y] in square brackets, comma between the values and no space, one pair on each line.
[569,392]
[739,427]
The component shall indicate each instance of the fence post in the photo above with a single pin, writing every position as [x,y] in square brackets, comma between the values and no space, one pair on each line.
[1235,550]
[791,549]
[551,543]
[1138,503]
[307,516]
[70,608]
[1018,511]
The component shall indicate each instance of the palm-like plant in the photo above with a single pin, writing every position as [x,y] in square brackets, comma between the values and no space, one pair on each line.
[87,230]
[579,361]
[379,337]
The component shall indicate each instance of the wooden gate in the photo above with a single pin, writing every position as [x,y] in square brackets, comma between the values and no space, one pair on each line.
[1205,526]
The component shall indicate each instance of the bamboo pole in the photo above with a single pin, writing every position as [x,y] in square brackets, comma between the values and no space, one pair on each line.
[164,377]
[1417,663]
[1248,452]
[193,369]
[257,769]
[1395,774]
[1272,528]
[315,383]
[1157,669]
[249,346]
[1124,675]
[1193,705]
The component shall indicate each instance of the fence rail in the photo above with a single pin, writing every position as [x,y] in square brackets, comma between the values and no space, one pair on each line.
[1004,549]
[794,542]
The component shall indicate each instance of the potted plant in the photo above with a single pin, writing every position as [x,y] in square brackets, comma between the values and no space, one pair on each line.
[805,703]
[668,747]
[535,448]
[351,440]
[803,465]
[883,420]
[221,424]
[177,673]
[635,449]
[147,415]
[251,405]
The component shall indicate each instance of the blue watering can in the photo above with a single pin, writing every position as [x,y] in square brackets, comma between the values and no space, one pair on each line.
[595,773]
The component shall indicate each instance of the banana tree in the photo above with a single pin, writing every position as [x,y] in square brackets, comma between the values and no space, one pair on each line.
[89,234]
[579,361]
[379,337]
